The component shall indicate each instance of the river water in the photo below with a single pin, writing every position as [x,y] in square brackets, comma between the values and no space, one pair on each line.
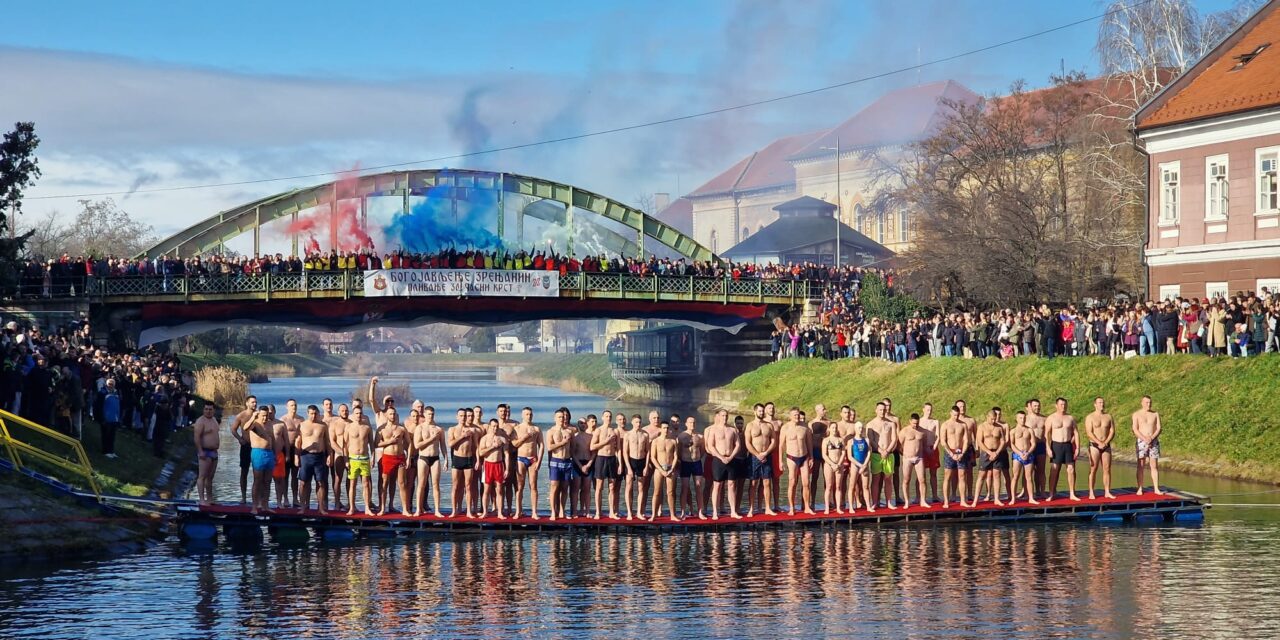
[1220,578]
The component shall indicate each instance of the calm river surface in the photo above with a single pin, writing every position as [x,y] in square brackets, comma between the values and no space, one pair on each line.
[1216,579]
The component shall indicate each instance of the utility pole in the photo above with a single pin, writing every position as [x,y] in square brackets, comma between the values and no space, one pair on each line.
[839,209]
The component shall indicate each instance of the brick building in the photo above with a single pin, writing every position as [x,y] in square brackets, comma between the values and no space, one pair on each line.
[1213,141]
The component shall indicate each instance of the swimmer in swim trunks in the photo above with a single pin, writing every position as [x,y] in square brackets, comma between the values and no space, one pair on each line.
[313,450]
[955,446]
[761,443]
[606,445]
[492,449]
[1035,422]
[882,433]
[237,431]
[912,439]
[1101,430]
[1021,443]
[635,453]
[462,456]
[528,444]
[1146,427]
[1064,445]
[692,452]
[393,439]
[205,431]
[560,462]
[358,443]
[262,458]
[664,453]
[797,444]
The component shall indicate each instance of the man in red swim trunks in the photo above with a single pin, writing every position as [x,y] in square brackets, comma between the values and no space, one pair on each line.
[393,439]
[493,450]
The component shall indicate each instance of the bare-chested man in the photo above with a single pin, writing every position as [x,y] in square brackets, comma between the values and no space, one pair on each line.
[510,481]
[992,460]
[797,446]
[897,451]
[664,455]
[1022,446]
[913,440]
[956,447]
[635,450]
[560,462]
[237,431]
[1064,446]
[393,438]
[932,463]
[492,449]
[882,434]
[378,407]
[279,473]
[818,427]
[1035,422]
[1101,430]
[1146,432]
[462,457]
[606,446]
[972,425]
[692,452]
[428,442]
[844,428]
[358,444]
[261,440]
[761,442]
[313,451]
[338,455]
[528,446]
[770,416]
[206,432]
[723,443]
[652,429]
[291,421]
[583,462]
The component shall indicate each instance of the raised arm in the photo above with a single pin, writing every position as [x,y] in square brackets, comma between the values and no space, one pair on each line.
[373,395]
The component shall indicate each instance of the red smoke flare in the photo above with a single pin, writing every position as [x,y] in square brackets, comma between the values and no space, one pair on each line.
[341,223]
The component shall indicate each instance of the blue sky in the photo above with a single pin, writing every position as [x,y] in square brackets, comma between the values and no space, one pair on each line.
[156,94]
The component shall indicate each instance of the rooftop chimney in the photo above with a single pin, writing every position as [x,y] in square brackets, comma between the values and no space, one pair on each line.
[661,201]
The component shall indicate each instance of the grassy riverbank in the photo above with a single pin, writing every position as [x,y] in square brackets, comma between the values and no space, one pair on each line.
[1219,414]
[578,372]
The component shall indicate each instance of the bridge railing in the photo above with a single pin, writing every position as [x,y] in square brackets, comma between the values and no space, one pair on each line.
[351,283]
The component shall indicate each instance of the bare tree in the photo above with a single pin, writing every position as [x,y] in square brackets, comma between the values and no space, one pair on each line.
[48,236]
[645,202]
[103,228]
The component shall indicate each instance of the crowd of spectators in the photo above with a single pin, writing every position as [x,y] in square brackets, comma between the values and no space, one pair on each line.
[59,378]
[1244,324]
[66,276]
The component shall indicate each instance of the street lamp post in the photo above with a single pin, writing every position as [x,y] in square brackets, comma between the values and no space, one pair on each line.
[839,209]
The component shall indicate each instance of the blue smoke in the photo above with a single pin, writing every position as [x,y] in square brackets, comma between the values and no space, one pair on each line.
[431,225]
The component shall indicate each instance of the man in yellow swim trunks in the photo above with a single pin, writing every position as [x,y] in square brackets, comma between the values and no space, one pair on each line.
[359,446]
[882,434]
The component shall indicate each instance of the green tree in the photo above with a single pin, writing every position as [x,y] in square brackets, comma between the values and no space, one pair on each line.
[482,340]
[18,170]
[879,301]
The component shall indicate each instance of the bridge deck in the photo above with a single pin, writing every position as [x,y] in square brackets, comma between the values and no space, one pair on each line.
[329,285]
[200,521]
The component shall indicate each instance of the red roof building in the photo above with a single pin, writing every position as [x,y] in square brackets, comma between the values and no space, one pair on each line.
[1213,141]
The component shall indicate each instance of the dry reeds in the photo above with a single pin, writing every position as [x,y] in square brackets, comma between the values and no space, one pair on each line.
[227,388]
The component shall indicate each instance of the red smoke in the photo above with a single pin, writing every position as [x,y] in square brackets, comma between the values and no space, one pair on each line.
[341,223]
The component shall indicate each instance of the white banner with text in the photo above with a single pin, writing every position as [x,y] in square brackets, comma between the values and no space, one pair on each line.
[461,282]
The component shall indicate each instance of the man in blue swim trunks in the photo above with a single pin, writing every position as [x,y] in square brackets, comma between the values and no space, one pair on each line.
[761,443]
[1035,422]
[262,457]
[1022,445]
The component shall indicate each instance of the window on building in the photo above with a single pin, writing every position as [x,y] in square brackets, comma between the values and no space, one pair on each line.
[1267,195]
[1215,290]
[1169,192]
[1267,285]
[715,245]
[880,228]
[1215,188]
[745,232]
[857,218]
[1170,291]
[902,226]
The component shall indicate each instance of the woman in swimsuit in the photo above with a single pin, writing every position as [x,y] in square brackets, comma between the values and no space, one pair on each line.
[860,470]
[833,462]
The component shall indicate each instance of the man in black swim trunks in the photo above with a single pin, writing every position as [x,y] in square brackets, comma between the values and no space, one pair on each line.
[237,431]
[723,443]
[462,456]
[1101,430]
[1064,447]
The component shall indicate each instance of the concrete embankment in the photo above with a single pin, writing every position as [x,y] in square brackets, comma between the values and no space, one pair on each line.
[1218,414]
